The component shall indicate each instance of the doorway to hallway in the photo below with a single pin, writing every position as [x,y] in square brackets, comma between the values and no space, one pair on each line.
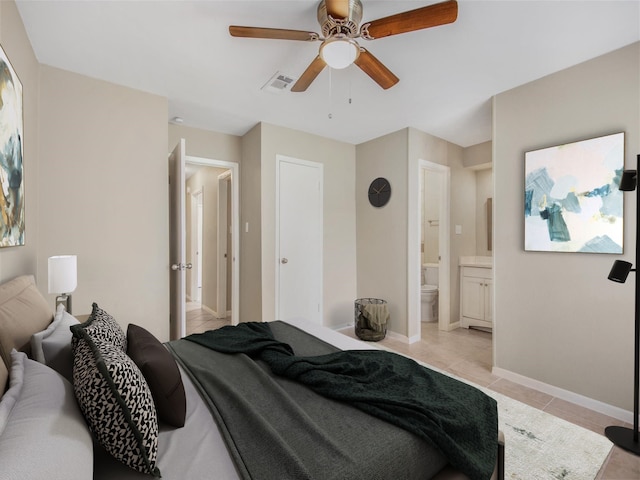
[196,242]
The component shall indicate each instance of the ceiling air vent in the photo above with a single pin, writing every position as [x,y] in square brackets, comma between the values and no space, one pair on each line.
[279,83]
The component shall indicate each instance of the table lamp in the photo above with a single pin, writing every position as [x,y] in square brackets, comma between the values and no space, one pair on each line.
[63,278]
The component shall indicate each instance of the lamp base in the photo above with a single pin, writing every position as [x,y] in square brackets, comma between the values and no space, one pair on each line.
[64,299]
[623,437]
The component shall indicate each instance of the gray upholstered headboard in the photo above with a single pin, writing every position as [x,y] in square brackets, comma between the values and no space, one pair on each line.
[23,312]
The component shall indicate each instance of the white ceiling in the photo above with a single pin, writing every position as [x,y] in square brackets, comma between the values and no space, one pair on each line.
[182,50]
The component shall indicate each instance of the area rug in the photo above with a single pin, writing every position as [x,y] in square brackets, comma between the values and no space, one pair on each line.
[541,446]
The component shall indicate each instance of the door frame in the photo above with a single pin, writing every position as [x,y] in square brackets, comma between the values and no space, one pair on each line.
[414,262]
[221,303]
[235,226]
[197,199]
[284,159]
[444,265]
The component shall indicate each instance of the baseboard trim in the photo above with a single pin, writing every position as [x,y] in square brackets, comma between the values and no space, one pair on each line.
[210,310]
[346,326]
[400,337]
[390,334]
[581,400]
[453,326]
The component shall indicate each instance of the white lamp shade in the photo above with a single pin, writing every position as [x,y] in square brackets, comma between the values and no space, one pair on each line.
[63,273]
[339,52]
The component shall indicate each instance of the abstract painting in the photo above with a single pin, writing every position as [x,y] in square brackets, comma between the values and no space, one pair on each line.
[571,200]
[11,179]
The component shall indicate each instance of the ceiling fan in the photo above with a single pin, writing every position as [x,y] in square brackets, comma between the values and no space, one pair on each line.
[339,21]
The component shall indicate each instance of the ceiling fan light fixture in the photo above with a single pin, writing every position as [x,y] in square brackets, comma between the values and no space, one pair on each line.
[339,52]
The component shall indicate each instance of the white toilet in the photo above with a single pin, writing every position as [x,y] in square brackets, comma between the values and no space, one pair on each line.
[429,293]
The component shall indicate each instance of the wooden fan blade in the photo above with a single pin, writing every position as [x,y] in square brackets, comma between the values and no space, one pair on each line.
[425,17]
[272,33]
[375,69]
[309,75]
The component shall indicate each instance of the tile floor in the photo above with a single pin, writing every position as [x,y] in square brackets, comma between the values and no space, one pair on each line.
[199,320]
[467,353]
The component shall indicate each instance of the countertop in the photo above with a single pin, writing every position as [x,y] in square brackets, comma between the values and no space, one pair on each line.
[476,261]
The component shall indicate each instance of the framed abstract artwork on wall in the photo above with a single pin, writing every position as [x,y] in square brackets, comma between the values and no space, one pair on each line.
[12,212]
[571,200]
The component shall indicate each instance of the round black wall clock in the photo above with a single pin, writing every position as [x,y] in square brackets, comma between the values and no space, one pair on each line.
[379,192]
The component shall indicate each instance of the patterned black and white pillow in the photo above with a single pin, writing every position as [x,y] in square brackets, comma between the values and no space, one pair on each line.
[116,402]
[102,326]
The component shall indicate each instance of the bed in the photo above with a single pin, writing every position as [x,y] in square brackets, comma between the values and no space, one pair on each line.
[97,402]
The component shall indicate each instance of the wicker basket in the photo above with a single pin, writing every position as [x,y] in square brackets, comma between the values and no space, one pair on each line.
[363,331]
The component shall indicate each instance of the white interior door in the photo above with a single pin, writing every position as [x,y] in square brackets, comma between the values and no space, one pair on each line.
[177,242]
[299,240]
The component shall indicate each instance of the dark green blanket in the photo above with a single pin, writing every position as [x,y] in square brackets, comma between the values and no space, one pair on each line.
[457,418]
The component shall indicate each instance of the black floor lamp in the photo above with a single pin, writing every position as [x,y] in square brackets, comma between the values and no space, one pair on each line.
[622,436]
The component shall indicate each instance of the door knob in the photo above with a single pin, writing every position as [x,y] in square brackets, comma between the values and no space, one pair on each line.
[181,266]
[284,260]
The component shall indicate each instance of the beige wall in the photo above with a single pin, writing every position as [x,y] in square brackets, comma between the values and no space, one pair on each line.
[251,227]
[382,237]
[205,143]
[339,242]
[104,196]
[16,261]
[86,145]
[558,319]
[385,236]
[478,156]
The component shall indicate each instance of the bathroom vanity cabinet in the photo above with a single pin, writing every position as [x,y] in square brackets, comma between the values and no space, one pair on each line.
[476,292]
